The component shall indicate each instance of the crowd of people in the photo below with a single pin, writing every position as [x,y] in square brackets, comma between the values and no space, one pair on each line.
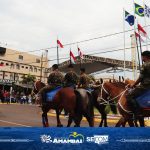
[15,97]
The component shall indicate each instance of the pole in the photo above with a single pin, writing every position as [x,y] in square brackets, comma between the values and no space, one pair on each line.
[145,24]
[137,51]
[70,56]
[41,67]
[79,57]
[57,53]
[124,41]
[137,46]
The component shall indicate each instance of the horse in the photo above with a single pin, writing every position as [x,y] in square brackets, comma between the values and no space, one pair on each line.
[100,104]
[117,92]
[70,100]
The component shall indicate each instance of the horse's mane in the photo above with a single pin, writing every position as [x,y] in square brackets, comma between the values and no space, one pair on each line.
[119,84]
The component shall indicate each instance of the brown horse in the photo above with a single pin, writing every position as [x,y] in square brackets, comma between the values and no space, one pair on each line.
[76,103]
[100,104]
[117,92]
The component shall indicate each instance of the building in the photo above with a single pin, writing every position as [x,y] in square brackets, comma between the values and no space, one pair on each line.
[15,64]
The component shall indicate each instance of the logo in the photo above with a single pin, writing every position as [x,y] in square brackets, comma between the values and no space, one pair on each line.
[73,138]
[98,139]
[46,138]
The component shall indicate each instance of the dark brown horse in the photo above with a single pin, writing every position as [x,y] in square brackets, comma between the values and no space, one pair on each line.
[100,104]
[71,101]
[117,92]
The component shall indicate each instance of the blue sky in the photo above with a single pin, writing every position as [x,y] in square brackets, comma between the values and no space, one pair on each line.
[31,25]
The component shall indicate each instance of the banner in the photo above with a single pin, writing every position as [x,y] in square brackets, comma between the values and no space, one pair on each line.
[74,138]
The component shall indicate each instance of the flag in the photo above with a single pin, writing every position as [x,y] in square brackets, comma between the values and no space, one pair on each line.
[59,44]
[72,57]
[129,18]
[80,53]
[139,10]
[147,11]
[142,31]
[138,36]
[1,64]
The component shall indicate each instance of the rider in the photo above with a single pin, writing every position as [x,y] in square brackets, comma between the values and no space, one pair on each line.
[71,78]
[84,80]
[55,79]
[144,80]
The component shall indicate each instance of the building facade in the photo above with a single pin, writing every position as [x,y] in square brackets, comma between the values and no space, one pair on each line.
[15,64]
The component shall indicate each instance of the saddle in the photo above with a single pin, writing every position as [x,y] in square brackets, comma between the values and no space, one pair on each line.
[144,100]
[50,95]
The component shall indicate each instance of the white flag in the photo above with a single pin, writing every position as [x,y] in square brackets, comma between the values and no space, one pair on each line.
[147,11]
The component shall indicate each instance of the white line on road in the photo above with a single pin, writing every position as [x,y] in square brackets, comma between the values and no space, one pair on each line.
[14,123]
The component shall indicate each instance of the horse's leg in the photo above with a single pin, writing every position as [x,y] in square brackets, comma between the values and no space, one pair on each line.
[105,121]
[122,122]
[141,121]
[44,116]
[70,120]
[130,122]
[58,119]
[77,120]
[90,120]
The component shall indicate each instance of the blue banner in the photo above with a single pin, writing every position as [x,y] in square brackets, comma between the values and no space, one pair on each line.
[74,138]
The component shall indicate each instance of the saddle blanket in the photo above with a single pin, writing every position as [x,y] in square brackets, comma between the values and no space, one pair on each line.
[50,95]
[144,100]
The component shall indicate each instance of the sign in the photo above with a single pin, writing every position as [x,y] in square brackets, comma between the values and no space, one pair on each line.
[6,81]
[75,138]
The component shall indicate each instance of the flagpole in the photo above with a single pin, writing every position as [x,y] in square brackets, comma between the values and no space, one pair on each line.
[124,36]
[41,67]
[57,53]
[137,50]
[70,56]
[136,43]
[79,56]
[145,25]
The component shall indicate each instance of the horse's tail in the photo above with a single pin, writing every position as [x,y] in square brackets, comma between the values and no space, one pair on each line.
[113,108]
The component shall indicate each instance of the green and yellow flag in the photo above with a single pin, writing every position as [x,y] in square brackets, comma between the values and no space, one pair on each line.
[139,10]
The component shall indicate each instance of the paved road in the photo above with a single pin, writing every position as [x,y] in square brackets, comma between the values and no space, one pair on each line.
[22,115]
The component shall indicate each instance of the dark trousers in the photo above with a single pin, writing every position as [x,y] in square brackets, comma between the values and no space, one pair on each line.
[132,95]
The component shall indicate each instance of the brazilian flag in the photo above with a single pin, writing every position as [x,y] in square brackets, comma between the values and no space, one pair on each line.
[139,10]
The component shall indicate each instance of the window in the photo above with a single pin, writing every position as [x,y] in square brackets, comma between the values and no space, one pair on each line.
[11,76]
[35,69]
[38,61]
[22,66]
[31,69]
[7,64]
[18,66]
[26,67]
[20,57]
[12,66]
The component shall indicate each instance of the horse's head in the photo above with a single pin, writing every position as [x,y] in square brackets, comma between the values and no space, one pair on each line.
[37,86]
[130,82]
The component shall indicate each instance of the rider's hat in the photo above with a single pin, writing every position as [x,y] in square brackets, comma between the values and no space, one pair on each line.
[146,53]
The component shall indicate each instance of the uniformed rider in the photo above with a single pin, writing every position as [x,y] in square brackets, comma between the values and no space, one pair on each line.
[144,80]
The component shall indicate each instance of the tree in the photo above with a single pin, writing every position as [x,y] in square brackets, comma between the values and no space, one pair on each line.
[29,79]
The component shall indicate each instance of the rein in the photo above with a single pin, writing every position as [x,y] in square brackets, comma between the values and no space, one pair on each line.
[106,102]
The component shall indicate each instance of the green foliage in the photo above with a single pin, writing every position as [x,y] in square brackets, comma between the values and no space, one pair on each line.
[29,79]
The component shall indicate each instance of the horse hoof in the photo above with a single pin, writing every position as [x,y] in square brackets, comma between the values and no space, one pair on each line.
[76,126]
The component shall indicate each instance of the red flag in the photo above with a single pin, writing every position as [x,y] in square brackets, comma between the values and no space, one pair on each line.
[80,53]
[1,64]
[59,44]
[142,31]
[72,57]
[138,36]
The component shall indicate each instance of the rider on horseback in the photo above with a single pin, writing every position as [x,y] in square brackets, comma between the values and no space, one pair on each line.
[55,79]
[144,80]
[84,81]
[71,78]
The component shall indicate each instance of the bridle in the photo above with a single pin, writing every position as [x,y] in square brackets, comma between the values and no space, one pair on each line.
[110,101]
